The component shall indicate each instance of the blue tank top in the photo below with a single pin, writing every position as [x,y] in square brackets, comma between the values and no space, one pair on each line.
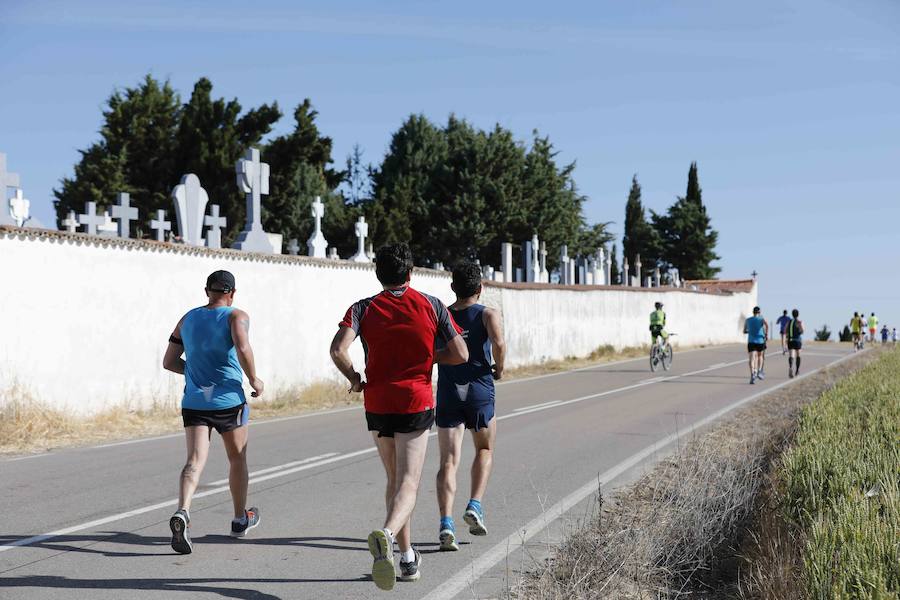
[755,332]
[212,373]
[478,367]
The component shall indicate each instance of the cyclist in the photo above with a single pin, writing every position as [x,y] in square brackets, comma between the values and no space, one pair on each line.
[855,330]
[658,324]
[873,327]
[782,323]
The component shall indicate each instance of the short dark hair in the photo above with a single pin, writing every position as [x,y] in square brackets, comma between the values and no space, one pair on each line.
[755,310]
[466,279]
[785,311]
[393,264]
[795,313]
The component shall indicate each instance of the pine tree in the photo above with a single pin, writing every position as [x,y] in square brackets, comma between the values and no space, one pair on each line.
[639,237]
[688,239]
[614,272]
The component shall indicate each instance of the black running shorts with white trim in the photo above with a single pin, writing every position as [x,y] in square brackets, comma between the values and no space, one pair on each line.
[751,347]
[795,344]
[223,421]
[389,424]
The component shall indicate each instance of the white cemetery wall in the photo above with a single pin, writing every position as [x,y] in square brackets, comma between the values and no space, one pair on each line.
[85,319]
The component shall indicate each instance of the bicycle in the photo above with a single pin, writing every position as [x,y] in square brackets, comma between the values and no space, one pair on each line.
[661,354]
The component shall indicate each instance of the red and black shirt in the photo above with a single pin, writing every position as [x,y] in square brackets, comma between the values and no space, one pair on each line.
[399,329]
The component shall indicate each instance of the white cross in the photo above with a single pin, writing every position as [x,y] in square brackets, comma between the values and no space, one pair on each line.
[318,211]
[160,225]
[362,230]
[107,227]
[90,219]
[293,248]
[7,180]
[70,222]
[18,208]
[253,179]
[215,224]
[125,213]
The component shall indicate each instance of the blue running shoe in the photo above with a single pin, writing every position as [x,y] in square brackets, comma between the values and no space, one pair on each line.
[474,518]
[240,527]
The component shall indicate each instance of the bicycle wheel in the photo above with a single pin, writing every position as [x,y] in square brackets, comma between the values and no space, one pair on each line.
[667,357]
[654,358]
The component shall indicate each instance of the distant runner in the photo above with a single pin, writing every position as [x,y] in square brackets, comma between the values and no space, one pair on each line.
[658,324]
[856,328]
[399,328]
[215,340]
[795,342]
[465,400]
[884,334]
[873,327]
[757,331]
[782,322]
[894,335]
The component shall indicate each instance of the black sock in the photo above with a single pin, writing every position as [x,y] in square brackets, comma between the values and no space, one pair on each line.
[790,363]
[798,365]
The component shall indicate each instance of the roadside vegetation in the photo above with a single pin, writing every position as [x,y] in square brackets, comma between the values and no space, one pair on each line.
[794,496]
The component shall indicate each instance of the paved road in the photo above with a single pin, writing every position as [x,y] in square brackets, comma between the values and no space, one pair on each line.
[93,522]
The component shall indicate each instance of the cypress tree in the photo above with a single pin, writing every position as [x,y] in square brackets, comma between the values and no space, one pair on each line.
[640,237]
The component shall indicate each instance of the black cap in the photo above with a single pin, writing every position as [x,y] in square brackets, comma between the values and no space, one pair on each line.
[755,309]
[220,281]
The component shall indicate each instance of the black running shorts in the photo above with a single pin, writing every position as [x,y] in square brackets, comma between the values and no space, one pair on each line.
[223,421]
[795,344]
[751,347]
[388,425]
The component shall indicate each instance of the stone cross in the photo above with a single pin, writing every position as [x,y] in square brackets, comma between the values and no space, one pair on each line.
[107,228]
[71,222]
[293,247]
[370,251]
[362,230]
[160,225]
[90,219]
[190,207]
[216,224]
[506,261]
[125,214]
[564,265]
[637,269]
[607,270]
[333,254]
[253,180]
[625,281]
[535,274]
[316,245]
[545,276]
[7,180]
[19,208]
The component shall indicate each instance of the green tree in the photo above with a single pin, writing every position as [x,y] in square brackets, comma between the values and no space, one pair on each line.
[614,272]
[824,334]
[639,236]
[688,239]
[149,140]
[845,335]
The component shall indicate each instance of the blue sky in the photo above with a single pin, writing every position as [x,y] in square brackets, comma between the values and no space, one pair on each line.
[791,108]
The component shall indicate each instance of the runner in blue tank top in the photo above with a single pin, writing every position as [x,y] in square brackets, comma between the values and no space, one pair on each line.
[216,344]
[465,400]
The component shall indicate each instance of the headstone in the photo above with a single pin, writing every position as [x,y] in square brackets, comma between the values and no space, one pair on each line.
[656,277]
[253,181]
[19,208]
[370,251]
[582,272]
[90,219]
[316,245]
[594,270]
[637,269]
[487,272]
[647,281]
[506,261]
[520,275]
[293,247]
[71,222]
[124,213]
[625,279]
[190,207]
[216,224]
[333,254]
[7,179]
[276,240]
[527,260]
[571,276]
[108,227]
[498,275]
[362,230]
[564,265]
[545,276]
[607,270]
[160,225]
[438,266]
[590,277]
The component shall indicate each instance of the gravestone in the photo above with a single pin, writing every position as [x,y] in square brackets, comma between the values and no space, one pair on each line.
[527,259]
[216,224]
[90,219]
[333,254]
[520,277]
[362,230]
[637,270]
[545,276]
[625,280]
[487,272]
[656,277]
[293,247]
[190,207]
[160,225]
[506,261]
[276,240]
[438,266]
[71,222]
[316,245]
[535,259]
[108,227]
[564,265]
[607,270]
[370,251]
[125,214]
[582,272]
[19,208]
[253,181]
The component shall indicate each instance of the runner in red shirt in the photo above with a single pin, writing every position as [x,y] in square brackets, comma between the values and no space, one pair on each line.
[403,332]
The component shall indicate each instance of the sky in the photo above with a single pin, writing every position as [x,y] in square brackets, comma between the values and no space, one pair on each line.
[791,108]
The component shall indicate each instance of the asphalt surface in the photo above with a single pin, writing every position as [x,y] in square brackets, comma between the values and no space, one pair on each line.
[93,522]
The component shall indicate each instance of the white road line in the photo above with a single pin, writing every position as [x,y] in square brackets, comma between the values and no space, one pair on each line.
[482,563]
[283,470]
[280,467]
[551,403]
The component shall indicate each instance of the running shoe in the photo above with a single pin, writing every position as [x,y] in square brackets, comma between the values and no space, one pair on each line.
[447,537]
[790,373]
[382,548]
[409,571]
[752,379]
[240,527]
[474,518]
[761,375]
[180,525]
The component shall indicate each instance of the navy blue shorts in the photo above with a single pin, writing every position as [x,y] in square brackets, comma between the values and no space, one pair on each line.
[472,405]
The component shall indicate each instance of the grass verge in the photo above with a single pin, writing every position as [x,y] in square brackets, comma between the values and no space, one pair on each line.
[678,531]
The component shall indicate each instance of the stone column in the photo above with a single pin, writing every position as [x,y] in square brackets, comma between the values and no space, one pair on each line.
[637,270]
[625,280]
[506,261]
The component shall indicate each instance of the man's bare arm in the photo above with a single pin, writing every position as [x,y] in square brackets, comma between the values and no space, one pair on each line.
[240,335]
[340,356]
[172,360]
[454,353]
[494,326]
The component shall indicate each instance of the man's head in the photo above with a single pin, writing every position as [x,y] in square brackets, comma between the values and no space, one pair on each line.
[873,314]
[756,311]
[658,305]
[856,314]
[785,312]
[393,265]
[220,286]
[466,280]
[795,313]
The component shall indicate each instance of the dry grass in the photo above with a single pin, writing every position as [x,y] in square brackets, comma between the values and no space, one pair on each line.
[676,532]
